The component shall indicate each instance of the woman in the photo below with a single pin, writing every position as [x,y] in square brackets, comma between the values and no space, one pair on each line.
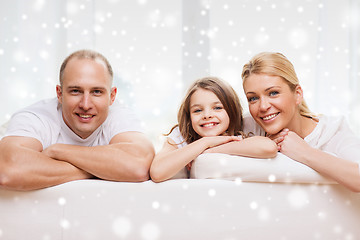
[276,103]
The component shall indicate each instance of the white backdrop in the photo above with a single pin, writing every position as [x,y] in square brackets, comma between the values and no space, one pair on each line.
[157,47]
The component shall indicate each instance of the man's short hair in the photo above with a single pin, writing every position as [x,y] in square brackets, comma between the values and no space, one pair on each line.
[85,54]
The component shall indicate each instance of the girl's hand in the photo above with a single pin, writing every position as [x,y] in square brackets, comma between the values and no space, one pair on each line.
[211,142]
[218,140]
[292,145]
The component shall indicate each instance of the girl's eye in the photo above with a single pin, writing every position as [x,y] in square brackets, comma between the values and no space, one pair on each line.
[252,99]
[273,93]
[197,110]
[218,108]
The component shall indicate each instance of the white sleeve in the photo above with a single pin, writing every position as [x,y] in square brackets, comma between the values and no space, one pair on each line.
[176,136]
[26,124]
[345,145]
[121,120]
[250,126]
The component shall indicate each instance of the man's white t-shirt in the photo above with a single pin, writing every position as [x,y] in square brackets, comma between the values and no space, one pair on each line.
[43,121]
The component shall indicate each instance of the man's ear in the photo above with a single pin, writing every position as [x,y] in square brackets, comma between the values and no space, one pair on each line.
[299,95]
[113,95]
[59,93]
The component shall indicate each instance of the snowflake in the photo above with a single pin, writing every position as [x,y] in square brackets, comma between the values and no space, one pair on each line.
[122,227]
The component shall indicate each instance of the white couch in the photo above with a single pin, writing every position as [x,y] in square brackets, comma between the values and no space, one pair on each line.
[181,209]
[260,199]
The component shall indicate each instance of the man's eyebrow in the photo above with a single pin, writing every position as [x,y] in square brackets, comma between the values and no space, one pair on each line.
[73,87]
[93,88]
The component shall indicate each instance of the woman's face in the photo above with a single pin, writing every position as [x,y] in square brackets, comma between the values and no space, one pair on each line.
[207,113]
[272,104]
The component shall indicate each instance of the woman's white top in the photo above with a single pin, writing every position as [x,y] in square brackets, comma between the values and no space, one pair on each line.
[331,134]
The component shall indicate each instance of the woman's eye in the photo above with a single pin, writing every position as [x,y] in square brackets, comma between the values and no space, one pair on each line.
[273,93]
[252,99]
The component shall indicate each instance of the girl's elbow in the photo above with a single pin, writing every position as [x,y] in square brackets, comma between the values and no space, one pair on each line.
[156,174]
[355,187]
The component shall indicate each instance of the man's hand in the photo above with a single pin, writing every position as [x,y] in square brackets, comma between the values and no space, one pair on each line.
[23,166]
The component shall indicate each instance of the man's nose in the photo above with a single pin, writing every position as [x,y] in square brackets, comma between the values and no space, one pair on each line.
[86,102]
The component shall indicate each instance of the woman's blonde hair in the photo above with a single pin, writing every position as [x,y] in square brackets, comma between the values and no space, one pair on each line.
[227,97]
[276,64]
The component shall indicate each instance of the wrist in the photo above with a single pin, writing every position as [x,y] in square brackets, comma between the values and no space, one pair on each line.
[53,151]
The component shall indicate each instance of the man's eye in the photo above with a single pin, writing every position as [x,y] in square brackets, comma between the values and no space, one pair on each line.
[74,91]
[97,92]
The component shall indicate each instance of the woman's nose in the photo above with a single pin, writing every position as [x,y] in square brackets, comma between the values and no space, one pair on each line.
[264,104]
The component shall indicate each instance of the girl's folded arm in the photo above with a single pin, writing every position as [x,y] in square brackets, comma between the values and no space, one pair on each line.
[256,146]
[171,159]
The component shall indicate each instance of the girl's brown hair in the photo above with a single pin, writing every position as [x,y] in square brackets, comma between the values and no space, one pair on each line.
[227,97]
[276,64]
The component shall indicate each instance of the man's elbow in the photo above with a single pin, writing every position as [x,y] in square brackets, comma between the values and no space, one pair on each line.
[9,179]
[142,169]
[141,174]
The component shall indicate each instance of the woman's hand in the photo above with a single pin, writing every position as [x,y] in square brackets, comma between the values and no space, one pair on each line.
[292,145]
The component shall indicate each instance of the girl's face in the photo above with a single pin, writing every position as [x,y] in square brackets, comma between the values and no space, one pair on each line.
[207,113]
[272,104]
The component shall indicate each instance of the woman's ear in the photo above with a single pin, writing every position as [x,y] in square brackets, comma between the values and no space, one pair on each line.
[298,95]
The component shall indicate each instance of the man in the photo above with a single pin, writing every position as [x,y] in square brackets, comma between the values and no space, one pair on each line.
[79,135]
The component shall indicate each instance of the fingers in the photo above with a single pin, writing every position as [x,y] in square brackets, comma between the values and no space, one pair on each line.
[278,140]
[236,138]
[282,133]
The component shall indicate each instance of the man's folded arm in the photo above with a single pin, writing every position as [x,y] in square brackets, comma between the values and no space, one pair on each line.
[127,158]
[23,166]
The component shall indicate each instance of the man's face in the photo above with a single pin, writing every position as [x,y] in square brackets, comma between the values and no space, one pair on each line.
[85,96]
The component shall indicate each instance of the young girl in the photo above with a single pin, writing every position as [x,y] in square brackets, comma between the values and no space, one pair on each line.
[276,104]
[209,120]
